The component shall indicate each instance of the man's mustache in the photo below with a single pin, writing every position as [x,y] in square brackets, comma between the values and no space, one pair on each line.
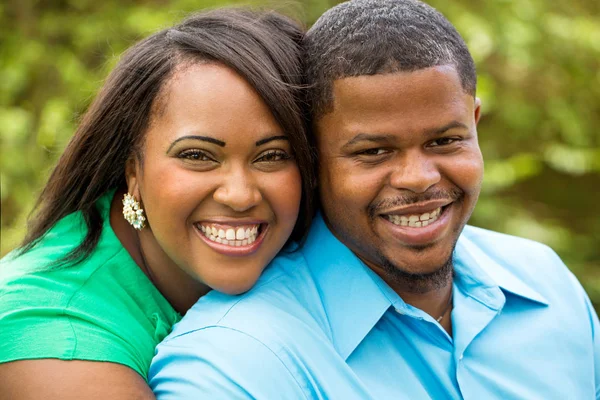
[413,198]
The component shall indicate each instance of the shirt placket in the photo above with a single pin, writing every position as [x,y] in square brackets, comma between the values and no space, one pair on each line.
[471,315]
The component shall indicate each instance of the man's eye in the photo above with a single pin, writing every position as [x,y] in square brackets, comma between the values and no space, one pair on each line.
[373,152]
[194,155]
[273,156]
[442,141]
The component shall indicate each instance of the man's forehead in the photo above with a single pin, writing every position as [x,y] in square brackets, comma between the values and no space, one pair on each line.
[432,88]
[388,83]
[396,106]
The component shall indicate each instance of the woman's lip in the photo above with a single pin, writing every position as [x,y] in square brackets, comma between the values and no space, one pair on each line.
[234,251]
[420,235]
[231,222]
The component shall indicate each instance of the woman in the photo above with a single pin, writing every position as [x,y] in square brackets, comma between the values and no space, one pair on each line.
[190,171]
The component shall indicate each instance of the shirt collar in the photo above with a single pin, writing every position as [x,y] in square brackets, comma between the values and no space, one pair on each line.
[353,297]
[477,269]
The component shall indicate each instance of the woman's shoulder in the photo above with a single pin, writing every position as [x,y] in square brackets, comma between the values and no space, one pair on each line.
[101,309]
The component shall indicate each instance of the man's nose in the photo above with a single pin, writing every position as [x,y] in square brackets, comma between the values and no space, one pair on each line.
[238,191]
[415,171]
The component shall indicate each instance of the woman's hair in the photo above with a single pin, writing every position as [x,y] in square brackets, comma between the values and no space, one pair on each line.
[262,47]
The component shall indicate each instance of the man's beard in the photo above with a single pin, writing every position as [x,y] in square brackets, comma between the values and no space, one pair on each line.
[419,283]
[416,282]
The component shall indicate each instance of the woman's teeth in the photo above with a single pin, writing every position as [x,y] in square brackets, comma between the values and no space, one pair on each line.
[415,220]
[238,236]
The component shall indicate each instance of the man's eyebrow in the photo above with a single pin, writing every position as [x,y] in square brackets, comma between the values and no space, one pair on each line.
[269,139]
[196,137]
[447,127]
[367,137]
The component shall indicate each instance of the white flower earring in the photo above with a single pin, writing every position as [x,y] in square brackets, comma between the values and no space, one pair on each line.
[133,213]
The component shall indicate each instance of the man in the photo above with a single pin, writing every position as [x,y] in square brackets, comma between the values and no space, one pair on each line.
[392,296]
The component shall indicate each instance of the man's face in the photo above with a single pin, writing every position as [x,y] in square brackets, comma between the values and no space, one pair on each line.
[400,168]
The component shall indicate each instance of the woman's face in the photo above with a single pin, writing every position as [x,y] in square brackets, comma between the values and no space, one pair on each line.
[218,181]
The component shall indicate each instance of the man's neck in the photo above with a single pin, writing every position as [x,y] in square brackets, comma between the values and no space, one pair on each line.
[431,294]
[436,303]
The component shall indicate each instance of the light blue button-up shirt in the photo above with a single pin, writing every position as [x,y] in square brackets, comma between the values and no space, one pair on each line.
[321,325]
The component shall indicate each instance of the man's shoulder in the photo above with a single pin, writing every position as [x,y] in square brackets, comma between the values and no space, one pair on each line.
[278,324]
[508,247]
[284,299]
[496,241]
[534,263]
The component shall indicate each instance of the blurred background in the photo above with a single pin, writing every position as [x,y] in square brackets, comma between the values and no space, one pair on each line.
[539,79]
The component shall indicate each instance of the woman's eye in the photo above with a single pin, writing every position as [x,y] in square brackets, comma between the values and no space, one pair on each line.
[377,151]
[273,156]
[194,155]
[442,141]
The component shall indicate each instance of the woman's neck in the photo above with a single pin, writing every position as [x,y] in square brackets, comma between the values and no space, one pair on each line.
[180,290]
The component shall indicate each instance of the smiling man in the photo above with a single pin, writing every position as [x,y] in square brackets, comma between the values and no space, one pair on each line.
[400,172]
[392,295]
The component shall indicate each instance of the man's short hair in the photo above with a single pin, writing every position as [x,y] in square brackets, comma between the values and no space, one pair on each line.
[369,37]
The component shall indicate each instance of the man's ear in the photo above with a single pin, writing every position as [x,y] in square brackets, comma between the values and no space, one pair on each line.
[132,171]
[477,110]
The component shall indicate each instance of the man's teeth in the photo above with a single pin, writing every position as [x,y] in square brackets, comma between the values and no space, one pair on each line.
[238,236]
[415,220]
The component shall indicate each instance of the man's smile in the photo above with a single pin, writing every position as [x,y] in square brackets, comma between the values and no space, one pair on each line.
[418,228]
[415,220]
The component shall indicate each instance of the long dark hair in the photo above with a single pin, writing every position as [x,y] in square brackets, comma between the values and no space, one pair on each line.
[263,47]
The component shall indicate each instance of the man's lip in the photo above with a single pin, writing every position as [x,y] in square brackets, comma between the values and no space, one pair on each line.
[419,236]
[419,208]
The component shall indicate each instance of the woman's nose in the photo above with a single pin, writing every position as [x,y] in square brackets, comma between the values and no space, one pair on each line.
[238,191]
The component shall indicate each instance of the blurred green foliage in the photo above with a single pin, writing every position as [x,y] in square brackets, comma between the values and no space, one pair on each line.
[539,80]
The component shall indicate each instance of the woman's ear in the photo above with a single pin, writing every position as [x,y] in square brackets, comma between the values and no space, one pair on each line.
[132,171]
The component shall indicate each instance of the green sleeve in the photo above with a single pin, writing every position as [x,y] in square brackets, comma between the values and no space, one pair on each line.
[102,309]
[43,317]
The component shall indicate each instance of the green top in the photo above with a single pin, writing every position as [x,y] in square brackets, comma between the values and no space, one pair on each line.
[103,309]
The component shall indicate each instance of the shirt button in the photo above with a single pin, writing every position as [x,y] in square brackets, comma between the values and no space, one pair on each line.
[461,357]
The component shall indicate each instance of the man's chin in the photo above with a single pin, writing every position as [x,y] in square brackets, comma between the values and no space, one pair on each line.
[428,276]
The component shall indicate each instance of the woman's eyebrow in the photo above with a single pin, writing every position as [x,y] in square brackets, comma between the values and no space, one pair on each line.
[269,139]
[196,137]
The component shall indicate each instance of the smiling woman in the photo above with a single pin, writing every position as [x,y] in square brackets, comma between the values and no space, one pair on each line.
[189,172]
[215,160]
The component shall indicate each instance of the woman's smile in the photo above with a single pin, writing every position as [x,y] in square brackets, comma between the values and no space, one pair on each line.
[234,238]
